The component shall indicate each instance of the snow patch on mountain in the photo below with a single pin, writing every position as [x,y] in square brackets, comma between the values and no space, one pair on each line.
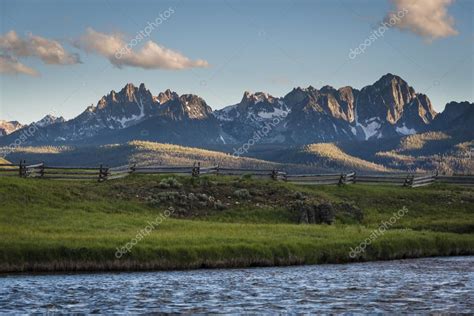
[354,130]
[372,128]
[404,130]
[135,118]
[275,113]
[223,114]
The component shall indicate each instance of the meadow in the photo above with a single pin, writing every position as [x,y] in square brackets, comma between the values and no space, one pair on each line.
[48,225]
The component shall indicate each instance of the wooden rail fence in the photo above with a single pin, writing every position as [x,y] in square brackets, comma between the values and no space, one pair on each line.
[103,173]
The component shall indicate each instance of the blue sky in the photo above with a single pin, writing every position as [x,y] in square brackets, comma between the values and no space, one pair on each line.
[227,47]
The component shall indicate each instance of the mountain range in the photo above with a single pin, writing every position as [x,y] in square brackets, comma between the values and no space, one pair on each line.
[386,109]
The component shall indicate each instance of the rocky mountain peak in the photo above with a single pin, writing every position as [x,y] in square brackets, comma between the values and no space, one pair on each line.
[296,96]
[184,107]
[247,95]
[458,107]
[256,97]
[49,120]
[454,110]
[346,90]
[456,116]
[128,91]
[385,99]
[8,127]
[389,79]
[195,106]
[327,89]
[166,96]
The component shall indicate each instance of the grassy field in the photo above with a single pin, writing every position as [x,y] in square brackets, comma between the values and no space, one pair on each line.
[71,226]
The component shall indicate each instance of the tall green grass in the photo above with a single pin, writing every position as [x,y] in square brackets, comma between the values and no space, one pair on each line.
[70,226]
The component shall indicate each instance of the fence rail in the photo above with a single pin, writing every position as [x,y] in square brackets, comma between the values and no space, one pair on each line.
[102,173]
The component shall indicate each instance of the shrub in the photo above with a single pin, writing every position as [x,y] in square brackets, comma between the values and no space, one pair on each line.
[170,183]
[311,212]
[346,211]
[205,182]
[324,213]
[242,194]
[299,196]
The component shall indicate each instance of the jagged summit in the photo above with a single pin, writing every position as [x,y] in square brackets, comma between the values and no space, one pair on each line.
[256,97]
[49,120]
[166,96]
[389,77]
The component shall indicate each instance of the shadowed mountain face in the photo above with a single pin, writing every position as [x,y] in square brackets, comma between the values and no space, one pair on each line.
[389,108]
[457,116]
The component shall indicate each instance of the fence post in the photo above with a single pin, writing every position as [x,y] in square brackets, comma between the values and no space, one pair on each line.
[217,170]
[105,174]
[133,168]
[20,169]
[42,169]
[196,170]
[341,179]
[354,177]
[274,175]
[100,173]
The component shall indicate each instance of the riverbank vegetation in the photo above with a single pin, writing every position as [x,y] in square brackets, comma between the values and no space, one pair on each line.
[223,222]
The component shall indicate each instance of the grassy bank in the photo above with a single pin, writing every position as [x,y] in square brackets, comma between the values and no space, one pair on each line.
[70,226]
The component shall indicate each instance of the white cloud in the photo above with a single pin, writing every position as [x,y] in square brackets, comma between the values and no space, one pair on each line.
[9,65]
[49,51]
[426,18]
[120,53]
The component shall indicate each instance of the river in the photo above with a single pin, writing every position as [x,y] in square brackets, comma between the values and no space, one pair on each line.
[415,285]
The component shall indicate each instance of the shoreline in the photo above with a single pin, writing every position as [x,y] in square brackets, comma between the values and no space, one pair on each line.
[127,266]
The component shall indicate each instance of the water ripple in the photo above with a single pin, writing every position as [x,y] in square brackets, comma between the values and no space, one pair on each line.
[422,285]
